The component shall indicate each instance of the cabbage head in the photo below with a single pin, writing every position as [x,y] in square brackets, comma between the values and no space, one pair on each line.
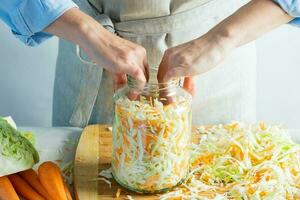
[16,152]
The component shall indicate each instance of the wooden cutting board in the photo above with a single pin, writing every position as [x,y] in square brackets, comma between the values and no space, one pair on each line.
[93,154]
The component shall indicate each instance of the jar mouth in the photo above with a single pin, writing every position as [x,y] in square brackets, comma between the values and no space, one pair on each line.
[152,88]
[135,84]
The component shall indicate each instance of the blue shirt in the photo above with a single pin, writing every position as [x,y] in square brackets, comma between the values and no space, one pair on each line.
[292,7]
[28,18]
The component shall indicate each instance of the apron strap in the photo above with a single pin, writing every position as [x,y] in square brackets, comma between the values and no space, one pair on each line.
[87,96]
[91,83]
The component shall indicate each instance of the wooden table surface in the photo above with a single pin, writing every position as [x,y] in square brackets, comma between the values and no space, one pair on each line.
[93,154]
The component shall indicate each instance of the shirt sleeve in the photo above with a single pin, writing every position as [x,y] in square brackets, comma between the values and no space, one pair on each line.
[28,18]
[292,7]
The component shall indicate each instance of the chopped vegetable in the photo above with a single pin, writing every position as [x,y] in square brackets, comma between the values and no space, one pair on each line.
[67,171]
[102,179]
[67,168]
[128,197]
[242,161]
[118,192]
[16,152]
[29,136]
[31,177]
[23,188]
[106,173]
[11,122]
[50,177]
[171,195]
[6,189]
[151,143]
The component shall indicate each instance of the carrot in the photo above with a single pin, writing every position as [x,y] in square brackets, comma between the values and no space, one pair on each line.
[69,196]
[148,138]
[31,177]
[23,188]
[125,139]
[50,177]
[7,192]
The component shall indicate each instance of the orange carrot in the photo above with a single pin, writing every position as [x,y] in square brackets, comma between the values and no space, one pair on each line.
[7,192]
[31,177]
[23,188]
[50,177]
[69,196]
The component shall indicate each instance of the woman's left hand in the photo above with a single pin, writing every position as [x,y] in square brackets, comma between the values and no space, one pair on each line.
[202,54]
[193,58]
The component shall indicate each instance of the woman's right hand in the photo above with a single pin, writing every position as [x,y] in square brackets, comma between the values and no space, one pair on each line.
[117,55]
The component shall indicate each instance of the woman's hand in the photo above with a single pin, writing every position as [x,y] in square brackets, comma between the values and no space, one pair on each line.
[117,55]
[202,54]
[193,58]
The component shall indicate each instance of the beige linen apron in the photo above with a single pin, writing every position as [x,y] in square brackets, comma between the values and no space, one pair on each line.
[225,93]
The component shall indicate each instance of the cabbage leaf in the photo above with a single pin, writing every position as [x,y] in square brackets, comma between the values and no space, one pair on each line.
[16,152]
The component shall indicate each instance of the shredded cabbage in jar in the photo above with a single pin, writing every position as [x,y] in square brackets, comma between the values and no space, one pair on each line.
[151,143]
[242,161]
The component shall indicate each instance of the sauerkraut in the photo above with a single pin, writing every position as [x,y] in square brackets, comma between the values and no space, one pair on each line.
[242,161]
[151,143]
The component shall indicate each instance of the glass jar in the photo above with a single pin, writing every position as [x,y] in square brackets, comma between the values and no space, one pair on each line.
[151,136]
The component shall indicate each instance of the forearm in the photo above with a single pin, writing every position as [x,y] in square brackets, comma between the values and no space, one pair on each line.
[78,28]
[206,52]
[113,53]
[250,22]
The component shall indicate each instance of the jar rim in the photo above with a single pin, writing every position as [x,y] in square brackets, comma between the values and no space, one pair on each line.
[133,83]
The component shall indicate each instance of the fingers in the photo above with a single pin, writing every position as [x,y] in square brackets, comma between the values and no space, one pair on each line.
[136,73]
[140,76]
[136,65]
[189,85]
[175,65]
[146,68]
[163,68]
[166,96]
[119,80]
[176,72]
[120,57]
[133,94]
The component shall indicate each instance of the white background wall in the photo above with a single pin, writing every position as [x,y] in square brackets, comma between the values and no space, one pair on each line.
[26,79]
[278,72]
[27,76]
